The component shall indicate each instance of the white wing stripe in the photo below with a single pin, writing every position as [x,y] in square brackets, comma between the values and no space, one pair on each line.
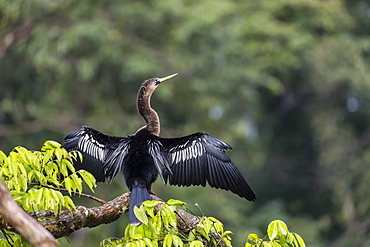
[90,146]
[191,152]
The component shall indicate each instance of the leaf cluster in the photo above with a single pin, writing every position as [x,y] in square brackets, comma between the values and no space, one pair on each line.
[36,179]
[160,228]
[13,240]
[278,235]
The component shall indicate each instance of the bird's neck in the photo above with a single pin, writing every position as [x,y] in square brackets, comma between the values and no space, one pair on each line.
[146,111]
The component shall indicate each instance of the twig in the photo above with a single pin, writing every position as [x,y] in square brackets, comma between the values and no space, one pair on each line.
[73,192]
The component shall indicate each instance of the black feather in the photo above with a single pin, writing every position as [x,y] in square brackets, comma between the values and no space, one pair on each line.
[199,158]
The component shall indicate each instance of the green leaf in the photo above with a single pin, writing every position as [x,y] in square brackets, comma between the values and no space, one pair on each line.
[254,238]
[150,206]
[156,226]
[207,224]
[283,228]
[39,177]
[39,196]
[128,230]
[175,202]
[149,242]
[168,216]
[50,145]
[267,244]
[59,153]
[297,240]
[282,240]
[88,178]
[177,242]
[16,183]
[131,244]
[192,235]
[272,230]
[17,195]
[149,232]
[276,244]
[48,169]
[151,203]
[196,243]
[226,233]
[63,167]
[23,182]
[70,166]
[141,214]
[57,208]
[48,199]
[68,184]
[23,155]
[150,211]
[137,235]
[48,155]
[277,228]
[68,203]
[77,182]
[167,242]
[22,170]
[3,156]
[58,196]
[204,233]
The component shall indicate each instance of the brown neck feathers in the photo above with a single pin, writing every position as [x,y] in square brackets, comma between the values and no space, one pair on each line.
[144,109]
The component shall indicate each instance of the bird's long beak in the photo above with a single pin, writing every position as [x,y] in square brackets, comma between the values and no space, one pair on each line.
[167,77]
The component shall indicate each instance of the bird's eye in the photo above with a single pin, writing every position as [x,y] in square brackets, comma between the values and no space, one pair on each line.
[157,81]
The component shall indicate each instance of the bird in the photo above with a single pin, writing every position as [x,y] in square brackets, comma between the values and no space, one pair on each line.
[195,159]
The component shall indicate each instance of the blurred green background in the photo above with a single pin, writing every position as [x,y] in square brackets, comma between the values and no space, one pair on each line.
[285,83]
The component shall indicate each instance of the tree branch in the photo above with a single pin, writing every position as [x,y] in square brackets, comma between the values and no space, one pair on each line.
[71,221]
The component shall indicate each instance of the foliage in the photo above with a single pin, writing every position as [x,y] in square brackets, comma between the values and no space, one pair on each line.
[13,240]
[160,229]
[36,178]
[278,235]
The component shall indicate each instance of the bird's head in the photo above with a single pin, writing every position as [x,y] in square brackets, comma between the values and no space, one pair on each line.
[149,85]
[159,80]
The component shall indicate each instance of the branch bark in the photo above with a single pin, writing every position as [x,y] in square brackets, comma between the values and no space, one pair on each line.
[71,221]
[23,223]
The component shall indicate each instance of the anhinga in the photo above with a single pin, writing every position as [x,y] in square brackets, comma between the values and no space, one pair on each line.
[190,160]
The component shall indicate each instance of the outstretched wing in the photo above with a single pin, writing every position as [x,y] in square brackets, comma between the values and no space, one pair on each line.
[200,158]
[102,154]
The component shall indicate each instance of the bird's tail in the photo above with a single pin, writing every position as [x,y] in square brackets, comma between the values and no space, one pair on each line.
[138,195]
